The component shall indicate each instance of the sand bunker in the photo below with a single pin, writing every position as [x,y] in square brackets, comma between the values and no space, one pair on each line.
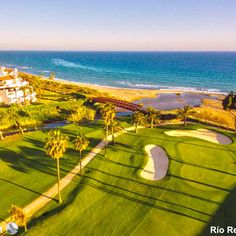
[157,165]
[205,134]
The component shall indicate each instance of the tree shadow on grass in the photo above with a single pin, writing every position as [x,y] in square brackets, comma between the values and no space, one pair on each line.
[35,143]
[28,189]
[202,183]
[224,216]
[137,195]
[152,203]
[14,160]
[101,158]
[130,151]
[93,125]
[59,208]
[145,184]
[115,191]
[200,166]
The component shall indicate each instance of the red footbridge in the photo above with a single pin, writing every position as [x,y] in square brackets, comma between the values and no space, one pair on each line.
[119,103]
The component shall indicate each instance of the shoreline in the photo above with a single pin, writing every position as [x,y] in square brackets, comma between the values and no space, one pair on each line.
[132,94]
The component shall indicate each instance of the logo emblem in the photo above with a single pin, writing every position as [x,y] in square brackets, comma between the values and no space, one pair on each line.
[12,228]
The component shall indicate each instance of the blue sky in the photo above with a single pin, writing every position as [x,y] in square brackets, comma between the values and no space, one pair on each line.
[118,24]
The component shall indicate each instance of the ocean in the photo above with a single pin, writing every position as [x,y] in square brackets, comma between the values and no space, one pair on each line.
[201,71]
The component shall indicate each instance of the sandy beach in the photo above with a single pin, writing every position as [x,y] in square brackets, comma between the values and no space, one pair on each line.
[135,94]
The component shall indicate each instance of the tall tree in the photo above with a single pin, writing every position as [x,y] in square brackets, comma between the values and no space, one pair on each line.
[229,104]
[38,85]
[184,113]
[81,143]
[50,84]
[153,116]
[114,127]
[18,216]
[16,119]
[26,90]
[138,118]
[1,135]
[56,145]
[52,76]
[108,114]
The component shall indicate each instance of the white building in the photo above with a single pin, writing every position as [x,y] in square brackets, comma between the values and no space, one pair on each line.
[14,89]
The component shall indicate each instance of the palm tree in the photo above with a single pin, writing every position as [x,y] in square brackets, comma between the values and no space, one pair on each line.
[138,118]
[26,89]
[229,103]
[52,76]
[56,145]
[153,116]
[1,135]
[81,143]
[18,125]
[50,84]
[108,114]
[184,113]
[16,119]
[38,84]
[114,127]
[18,216]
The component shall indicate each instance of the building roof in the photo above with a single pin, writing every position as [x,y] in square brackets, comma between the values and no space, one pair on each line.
[7,77]
[8,70]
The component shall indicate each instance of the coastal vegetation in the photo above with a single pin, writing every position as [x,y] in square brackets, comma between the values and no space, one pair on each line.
[153,116]
[58,100]
[115,127]
[184,113]
[137,119]
[41,83]
[229,104]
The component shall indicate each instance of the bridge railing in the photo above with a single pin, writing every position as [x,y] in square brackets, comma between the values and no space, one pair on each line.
[119,103]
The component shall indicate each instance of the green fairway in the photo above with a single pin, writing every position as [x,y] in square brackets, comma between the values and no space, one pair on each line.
[112,199]
[25,169]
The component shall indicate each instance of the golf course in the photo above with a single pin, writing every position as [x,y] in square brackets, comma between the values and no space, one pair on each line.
[110,197]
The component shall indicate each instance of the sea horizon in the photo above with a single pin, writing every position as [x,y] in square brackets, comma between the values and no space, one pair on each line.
[206,71]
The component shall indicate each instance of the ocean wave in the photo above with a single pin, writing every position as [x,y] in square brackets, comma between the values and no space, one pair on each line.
[61,62]
[68,64]
[166,87]
[16,66]
[24,67]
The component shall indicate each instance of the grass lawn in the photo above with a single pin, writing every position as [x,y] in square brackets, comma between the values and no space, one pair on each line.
[49,97]
[112,199]
[25,169]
